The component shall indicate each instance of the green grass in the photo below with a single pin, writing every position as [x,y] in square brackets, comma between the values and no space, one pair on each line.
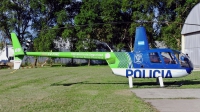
[69,89]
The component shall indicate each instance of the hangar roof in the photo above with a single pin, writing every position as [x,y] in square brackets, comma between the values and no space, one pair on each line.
[192,18]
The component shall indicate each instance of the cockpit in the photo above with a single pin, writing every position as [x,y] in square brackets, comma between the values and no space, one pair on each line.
[183,59]
[167,57]
[171,58]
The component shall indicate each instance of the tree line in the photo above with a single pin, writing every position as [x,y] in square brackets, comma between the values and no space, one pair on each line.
[85,23]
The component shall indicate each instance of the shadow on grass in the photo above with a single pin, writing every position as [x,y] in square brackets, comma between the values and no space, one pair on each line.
[137,84]
[188,82]
[169,83]
[65,84]
[69,84]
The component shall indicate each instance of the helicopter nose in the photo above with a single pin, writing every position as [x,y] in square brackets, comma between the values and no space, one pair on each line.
[189,70]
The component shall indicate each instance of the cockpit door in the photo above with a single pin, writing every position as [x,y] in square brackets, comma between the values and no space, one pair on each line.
[169,60]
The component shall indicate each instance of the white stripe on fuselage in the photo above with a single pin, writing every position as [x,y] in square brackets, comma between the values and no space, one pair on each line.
[150,73]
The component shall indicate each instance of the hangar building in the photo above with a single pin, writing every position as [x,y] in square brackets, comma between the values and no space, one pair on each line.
[191,36]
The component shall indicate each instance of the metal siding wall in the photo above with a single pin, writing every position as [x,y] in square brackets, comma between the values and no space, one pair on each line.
[194,18]
[192,47]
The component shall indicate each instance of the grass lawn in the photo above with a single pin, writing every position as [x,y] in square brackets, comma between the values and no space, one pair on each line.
[77,89]
[69,89]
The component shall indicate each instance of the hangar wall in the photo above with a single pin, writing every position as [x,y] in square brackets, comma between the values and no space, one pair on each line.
[192,47]
[191,36]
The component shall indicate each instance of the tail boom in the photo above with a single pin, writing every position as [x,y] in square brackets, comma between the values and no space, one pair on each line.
[79,55]
[114,59]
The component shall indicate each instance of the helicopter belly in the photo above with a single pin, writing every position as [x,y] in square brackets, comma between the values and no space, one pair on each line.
[150,73]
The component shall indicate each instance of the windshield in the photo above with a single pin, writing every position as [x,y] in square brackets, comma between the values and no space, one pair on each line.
[168,58]
[183,59]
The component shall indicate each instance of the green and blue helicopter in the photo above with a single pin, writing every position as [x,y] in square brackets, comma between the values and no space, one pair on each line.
[143,62]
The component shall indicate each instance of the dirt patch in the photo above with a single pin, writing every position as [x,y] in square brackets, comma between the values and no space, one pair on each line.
[90,92]
[124,92]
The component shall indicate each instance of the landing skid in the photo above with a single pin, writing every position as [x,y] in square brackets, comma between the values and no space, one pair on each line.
[130,81]
[158,79]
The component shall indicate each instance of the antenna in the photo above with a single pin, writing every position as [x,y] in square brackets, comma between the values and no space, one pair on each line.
[109,47]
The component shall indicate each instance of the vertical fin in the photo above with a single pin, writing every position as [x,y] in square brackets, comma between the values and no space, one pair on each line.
[141,42]
[18,51]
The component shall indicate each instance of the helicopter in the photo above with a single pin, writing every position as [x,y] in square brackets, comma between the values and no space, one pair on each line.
[143,62]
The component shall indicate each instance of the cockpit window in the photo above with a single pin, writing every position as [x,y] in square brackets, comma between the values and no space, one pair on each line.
[183,59]
[168,58]
[154,57]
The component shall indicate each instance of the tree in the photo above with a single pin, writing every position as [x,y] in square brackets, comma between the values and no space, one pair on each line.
[105,22]
[117,31]
[3,40]
[173,14]
[48,15]
[142,13]
[83,23]
[70,32]
[15,15]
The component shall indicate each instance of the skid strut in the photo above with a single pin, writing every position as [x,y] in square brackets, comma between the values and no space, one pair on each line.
[130,80]
[160,79]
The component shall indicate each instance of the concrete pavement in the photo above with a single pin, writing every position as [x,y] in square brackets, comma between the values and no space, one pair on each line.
[171,100]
